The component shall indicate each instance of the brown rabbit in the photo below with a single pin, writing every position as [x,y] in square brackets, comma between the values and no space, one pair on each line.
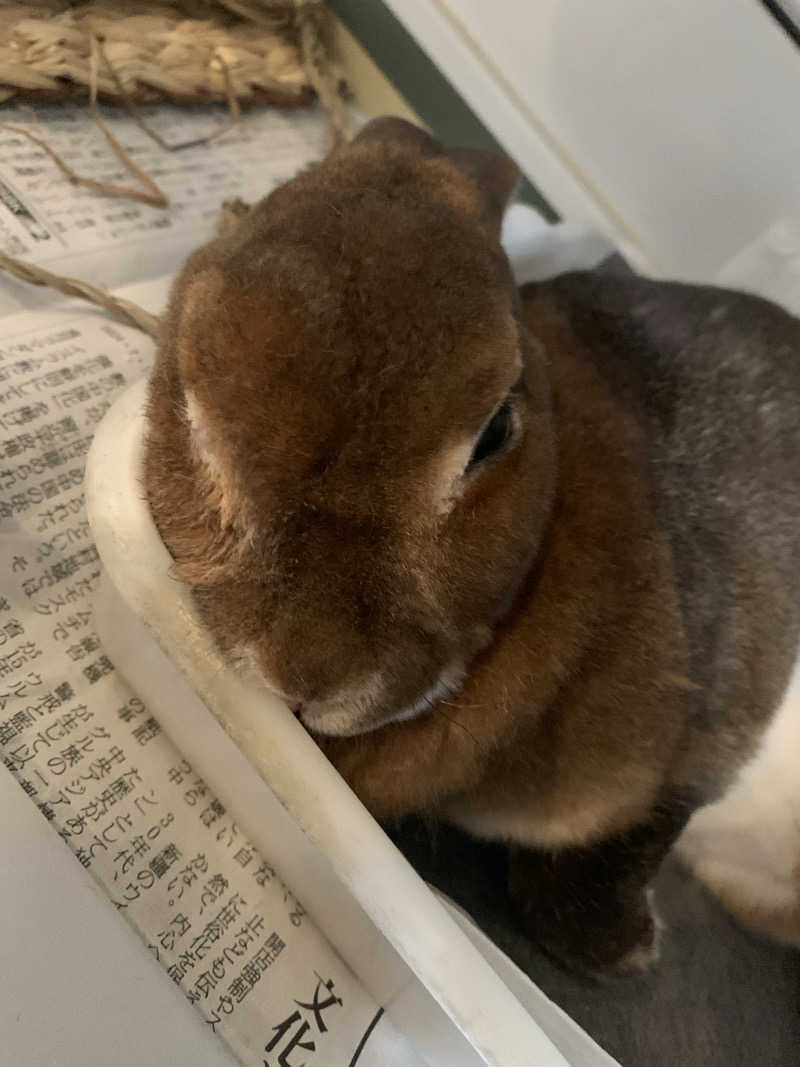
[525,562]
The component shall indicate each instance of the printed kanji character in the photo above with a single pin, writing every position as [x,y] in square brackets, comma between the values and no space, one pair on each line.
[317,1006]
[146,731]
[275,943]
[126,860]
[69,721]
[228,913]
[72,755]
[127,712]
[22,719]
[218,884]
[256,924]
[169,854]
[295,1042]
[119,788]
[64,692]
[103,766]
[49,702]
[262,958]
[208,815]
[159,865]
[239,988]
[18,757]
[93,673]
[140,845]
[264,873]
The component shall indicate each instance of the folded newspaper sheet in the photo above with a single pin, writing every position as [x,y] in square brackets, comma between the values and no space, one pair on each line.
[81,744]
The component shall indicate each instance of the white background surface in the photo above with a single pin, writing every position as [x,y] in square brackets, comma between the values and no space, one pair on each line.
[80,989]
[675,122]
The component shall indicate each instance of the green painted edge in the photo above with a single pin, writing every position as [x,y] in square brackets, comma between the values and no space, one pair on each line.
[417,78]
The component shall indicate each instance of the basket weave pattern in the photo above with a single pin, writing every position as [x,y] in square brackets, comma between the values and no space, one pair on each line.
[155,51]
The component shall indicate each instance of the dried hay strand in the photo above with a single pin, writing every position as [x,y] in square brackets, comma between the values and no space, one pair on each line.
[239,51]
[124,310]
[155,52]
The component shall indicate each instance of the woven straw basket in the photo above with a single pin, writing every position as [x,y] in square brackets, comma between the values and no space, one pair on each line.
[187,51]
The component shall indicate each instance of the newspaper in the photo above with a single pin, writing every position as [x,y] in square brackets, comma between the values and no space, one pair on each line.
[81,744]
[70,229]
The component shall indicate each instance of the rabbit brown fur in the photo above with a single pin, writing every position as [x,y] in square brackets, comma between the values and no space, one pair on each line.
[569,644]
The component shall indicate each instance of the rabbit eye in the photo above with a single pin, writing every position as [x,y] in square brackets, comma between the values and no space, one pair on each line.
[495,435]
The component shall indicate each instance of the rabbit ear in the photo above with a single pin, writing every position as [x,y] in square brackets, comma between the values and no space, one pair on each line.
[496,177]
[396,130]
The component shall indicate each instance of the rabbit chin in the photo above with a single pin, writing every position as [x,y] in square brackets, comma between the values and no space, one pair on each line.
[362,712]
[357,711]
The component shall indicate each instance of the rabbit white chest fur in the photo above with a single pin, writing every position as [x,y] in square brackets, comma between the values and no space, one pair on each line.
[746,847]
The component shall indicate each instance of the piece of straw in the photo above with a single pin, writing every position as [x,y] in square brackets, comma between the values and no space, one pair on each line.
[153,195]
[234,109]
[124,310]
[312,24]
[156,199]
[312,27]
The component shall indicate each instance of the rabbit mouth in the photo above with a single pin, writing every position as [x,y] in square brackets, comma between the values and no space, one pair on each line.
[446,685]
[359,711]
[363,714]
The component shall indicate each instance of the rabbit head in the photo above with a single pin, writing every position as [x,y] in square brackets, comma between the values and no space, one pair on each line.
[350,451]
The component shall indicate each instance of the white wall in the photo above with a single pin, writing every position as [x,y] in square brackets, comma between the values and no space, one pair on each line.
[674,124]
